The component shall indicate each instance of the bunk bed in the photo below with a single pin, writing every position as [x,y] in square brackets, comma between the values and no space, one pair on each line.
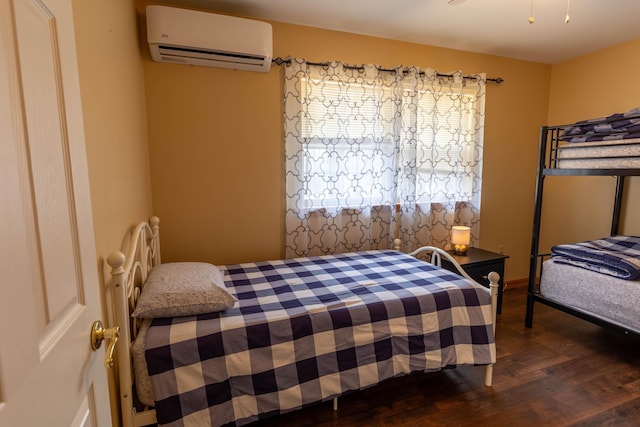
[606,146]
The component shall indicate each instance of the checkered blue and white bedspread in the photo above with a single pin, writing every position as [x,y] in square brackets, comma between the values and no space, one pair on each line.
[306,330]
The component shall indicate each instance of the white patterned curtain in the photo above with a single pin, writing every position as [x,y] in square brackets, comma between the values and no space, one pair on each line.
[359,144]
[440,168]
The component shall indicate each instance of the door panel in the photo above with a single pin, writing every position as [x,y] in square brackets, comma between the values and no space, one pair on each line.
[49,153]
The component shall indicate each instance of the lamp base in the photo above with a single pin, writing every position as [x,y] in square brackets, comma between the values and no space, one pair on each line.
[460,249]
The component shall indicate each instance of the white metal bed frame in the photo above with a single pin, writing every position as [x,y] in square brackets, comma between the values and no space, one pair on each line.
[128,275]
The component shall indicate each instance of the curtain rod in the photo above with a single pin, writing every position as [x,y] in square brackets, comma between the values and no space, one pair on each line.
[280,61]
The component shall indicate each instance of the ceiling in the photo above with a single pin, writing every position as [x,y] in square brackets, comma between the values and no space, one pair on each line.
[495,27]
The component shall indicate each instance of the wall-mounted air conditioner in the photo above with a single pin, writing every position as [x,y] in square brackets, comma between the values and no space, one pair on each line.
[186,36]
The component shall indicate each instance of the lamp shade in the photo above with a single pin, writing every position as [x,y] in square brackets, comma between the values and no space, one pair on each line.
[460,235]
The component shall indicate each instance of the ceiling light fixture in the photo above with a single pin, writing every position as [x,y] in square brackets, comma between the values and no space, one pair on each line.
[567,18]
[531,18]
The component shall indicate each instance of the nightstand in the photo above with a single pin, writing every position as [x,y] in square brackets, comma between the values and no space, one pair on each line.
[478,263]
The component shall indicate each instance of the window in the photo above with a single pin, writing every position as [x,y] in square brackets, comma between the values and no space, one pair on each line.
[350,158]
[446,152]
[349,155]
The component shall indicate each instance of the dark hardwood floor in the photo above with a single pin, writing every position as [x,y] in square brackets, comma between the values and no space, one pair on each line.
[562,372]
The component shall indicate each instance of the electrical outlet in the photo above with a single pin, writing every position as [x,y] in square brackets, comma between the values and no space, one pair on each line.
[501,249]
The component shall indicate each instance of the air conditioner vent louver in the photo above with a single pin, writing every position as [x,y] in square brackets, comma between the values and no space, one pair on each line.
[207,39]
[173,52]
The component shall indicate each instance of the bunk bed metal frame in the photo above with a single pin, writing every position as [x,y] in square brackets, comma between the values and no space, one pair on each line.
[548,165]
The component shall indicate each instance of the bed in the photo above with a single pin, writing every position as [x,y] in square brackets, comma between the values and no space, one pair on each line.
[604,146]
[290,333]
[597,277]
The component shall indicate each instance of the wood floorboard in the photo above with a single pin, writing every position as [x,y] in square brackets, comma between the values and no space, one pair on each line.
[562,372]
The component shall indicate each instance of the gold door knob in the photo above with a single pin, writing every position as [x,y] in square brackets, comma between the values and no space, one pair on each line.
[99,334]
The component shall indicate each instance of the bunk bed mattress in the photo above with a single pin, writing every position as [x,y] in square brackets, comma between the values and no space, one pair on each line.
[310,329]
[608,298]
[617,154]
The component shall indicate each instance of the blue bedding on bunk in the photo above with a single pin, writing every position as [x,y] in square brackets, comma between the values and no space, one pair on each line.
[617,256]
[613,127]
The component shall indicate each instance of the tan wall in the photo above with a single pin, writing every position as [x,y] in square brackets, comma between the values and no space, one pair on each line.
[112,88]
[216,145]
[599,84]
[113,99]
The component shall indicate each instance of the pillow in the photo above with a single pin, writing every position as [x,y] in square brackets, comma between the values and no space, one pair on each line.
[183,289]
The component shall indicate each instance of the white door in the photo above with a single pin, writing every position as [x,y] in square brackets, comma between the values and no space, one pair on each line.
[49,291]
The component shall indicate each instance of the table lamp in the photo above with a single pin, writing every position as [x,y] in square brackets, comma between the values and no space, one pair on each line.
[460,239]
